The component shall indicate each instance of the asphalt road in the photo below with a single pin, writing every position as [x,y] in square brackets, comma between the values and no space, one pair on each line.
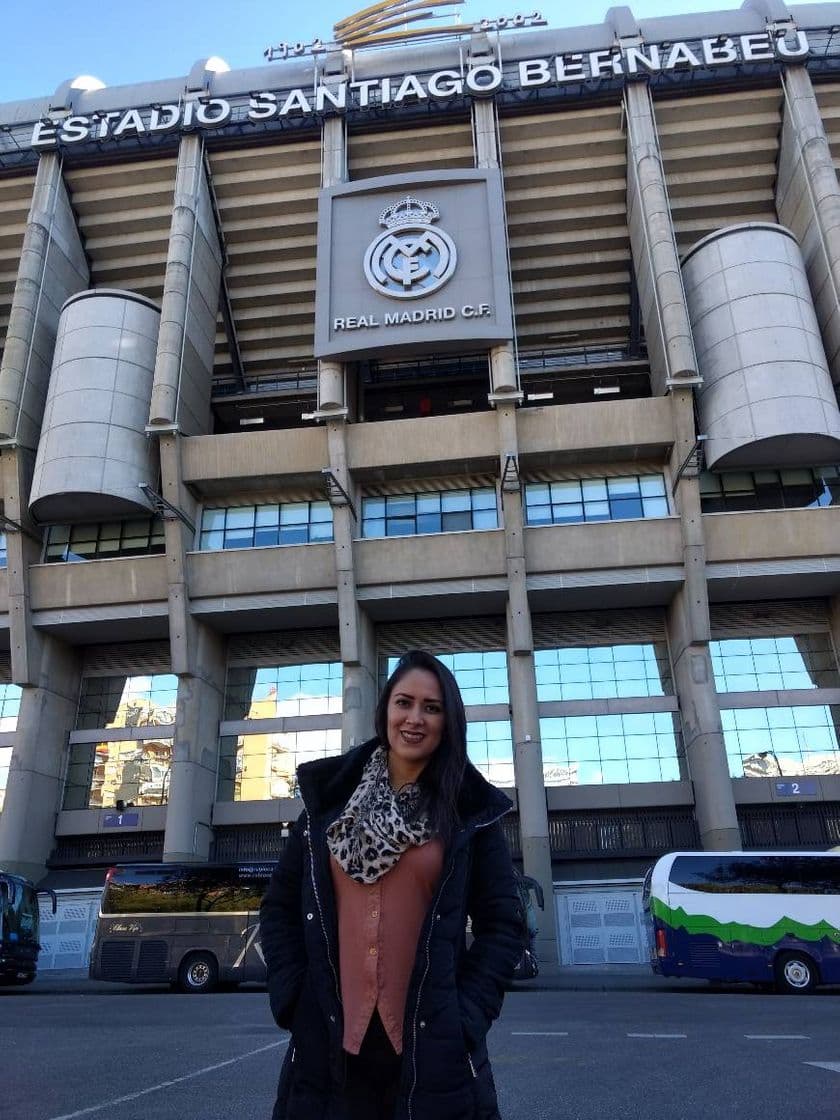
[558,1055]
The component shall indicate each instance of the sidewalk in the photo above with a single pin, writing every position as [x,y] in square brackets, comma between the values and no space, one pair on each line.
[615,978]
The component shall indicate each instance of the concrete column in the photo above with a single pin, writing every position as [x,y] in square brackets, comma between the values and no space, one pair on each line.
[332,394]
[198,657]
[655,258]
[834,622]
[688,635]
[525,723]
[522,681]
[184,362]
[808,203]
[34,791]
[484,133]
[192,780]
[356,633]
[358,647]
[52,267]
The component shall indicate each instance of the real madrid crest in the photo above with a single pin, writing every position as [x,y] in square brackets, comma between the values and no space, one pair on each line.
[411,259]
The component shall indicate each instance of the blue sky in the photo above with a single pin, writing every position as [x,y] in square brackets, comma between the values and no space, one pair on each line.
[122,42]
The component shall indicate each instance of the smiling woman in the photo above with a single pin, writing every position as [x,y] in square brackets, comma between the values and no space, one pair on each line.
[363,925]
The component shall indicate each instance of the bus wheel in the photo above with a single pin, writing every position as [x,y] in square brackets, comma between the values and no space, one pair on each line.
[795,973]
[198,973]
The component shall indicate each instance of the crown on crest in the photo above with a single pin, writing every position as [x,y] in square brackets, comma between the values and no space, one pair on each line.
[409,212]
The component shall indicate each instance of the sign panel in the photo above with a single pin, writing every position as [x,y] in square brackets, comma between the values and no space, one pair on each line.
[121,820]
[799,787]
[416,262]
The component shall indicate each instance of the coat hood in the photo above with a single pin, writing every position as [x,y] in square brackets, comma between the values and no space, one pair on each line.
[327,783]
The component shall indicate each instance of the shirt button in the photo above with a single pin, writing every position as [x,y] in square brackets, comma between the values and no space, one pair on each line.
[309,917]
[422,1024]
[372,950]
[374,913]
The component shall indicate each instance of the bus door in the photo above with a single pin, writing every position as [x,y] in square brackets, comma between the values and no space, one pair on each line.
[253,881]
[702,938]
[232,907]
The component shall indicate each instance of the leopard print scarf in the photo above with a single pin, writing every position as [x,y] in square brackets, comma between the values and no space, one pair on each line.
[377,824]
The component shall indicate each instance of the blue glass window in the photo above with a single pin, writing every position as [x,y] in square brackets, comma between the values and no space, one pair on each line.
[260,526]
[262,767]
[793,488]
[143,701]
[481,676]
[135,771]
[268,692]
[609,749]
[446,511]
[490,749]
[762,664]
[602,672]
[768,742]
[141,536]
[595,499]
[10,695]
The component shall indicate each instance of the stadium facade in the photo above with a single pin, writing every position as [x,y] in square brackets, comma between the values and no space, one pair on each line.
[522,346]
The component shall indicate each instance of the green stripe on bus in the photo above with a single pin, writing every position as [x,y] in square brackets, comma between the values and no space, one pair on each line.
[734,931]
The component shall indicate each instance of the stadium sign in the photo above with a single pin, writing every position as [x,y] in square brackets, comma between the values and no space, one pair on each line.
[485,80]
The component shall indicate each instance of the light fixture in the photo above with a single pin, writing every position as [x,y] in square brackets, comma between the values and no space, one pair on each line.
[605,390]
[250,421]
[540,396]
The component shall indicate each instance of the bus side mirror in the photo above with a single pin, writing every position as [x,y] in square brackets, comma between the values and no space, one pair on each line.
[51,897]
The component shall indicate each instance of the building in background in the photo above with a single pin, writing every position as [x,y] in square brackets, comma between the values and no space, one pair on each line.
[520,346]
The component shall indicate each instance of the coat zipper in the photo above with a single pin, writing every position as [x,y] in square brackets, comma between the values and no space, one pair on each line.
[318,904]
[409,1102]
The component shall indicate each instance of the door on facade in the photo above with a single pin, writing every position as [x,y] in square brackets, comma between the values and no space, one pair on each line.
[67,936]
[601,925]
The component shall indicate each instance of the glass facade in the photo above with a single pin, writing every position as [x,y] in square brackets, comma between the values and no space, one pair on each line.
[768,742]
[446,511]
[603,672]
[761,664]
[4,555]
[595,499]
[260,767]
[490,749]
[481,676]
[5,762]
[283,690]
[798,488]
[10,695]
[112,702]
[135,771]
[261,526]
[608,749]
[139,537]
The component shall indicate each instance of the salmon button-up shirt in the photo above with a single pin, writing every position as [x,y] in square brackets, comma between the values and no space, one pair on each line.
[378,929]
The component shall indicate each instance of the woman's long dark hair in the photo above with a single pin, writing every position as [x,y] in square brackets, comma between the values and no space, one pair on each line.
[441,779]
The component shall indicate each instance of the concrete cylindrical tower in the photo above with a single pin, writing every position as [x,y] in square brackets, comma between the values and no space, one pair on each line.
[93,452]
[767,398]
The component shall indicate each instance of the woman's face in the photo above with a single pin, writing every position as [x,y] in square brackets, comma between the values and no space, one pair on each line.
[415,722]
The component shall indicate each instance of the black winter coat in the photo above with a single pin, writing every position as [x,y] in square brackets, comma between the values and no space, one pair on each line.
[454,994]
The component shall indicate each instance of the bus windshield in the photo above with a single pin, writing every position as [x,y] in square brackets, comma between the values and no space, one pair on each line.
[20,911]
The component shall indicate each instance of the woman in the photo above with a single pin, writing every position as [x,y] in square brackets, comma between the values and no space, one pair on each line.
[363,924]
